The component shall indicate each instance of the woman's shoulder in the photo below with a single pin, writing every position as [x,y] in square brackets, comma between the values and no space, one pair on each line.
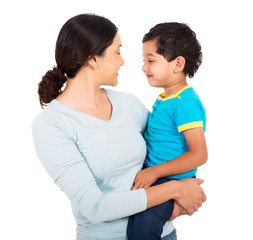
[53,116]
[53,121]
[42,123]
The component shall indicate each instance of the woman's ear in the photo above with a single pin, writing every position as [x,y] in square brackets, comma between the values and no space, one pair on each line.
[93,62]
[180,63]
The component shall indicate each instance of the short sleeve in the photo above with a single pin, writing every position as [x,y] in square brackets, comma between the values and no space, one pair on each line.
[188,114]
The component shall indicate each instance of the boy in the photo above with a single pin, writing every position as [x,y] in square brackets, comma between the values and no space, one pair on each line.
[175,133]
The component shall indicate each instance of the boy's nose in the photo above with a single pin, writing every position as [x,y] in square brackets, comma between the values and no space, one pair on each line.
[144,68]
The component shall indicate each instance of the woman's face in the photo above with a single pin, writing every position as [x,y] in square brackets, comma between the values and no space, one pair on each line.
[110,63]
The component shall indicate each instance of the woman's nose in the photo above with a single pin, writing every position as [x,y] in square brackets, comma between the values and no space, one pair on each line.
[122,61]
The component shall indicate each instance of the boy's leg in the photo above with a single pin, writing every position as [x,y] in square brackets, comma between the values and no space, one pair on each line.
[149,224]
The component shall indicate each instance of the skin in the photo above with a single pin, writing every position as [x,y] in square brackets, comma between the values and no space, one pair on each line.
[178,210]
[84,93]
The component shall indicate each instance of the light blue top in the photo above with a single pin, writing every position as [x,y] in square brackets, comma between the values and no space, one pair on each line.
[169,118]
[94,162]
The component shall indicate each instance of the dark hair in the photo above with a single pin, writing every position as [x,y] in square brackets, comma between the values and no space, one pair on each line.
[80,38]
[177,39]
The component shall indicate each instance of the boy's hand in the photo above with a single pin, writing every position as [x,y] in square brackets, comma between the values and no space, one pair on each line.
[144,178]
[178,210]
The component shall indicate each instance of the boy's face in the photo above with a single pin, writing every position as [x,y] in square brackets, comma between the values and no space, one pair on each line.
[157,69]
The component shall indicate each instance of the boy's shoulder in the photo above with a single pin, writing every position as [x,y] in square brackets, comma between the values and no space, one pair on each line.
[188,92]
[187,99]
[188,95]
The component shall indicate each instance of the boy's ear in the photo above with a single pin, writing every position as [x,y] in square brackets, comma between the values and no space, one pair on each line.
[180,63]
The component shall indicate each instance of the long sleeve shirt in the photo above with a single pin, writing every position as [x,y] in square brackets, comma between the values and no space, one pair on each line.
[94,162]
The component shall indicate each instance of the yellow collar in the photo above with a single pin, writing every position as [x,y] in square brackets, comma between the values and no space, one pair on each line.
[163,98]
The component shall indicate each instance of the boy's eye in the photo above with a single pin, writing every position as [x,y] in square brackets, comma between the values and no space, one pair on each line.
[150,61]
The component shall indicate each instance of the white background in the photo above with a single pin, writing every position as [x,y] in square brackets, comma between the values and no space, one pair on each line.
[32,206]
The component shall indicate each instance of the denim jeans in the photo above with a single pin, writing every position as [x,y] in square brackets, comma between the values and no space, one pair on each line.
[171,236]
[149,224]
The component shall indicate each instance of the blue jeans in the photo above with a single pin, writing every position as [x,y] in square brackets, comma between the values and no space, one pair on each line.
[171,236]
[149,224]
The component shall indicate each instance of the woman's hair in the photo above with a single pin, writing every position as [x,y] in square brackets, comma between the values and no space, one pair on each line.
[80,38]
[177,39]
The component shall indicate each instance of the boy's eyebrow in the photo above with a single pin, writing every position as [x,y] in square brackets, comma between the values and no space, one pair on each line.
[149,54]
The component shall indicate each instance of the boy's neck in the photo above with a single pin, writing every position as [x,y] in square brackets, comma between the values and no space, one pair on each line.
[173,89]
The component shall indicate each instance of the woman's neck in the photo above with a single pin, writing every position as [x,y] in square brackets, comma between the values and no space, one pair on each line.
[81,91]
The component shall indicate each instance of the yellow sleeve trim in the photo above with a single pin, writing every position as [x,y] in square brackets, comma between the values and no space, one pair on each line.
[189,126]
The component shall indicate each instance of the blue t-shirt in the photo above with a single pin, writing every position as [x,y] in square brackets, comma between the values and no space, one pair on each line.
[170,117]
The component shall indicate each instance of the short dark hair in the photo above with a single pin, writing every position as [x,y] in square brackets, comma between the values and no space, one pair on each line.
[177,39]
[80,38]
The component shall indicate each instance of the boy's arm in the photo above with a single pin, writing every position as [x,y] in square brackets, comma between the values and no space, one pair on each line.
[194,157]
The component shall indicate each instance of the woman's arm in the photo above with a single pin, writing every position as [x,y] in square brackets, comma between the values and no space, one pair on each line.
[186,192]
[63,161]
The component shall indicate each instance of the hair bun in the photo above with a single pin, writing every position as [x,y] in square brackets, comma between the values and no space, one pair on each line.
[60,75]
[51,85]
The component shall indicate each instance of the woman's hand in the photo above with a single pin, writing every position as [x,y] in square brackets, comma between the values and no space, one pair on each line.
[144,178]
[191,195]
[186,192]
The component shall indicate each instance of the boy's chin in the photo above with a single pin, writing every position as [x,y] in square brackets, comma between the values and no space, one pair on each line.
[153,84]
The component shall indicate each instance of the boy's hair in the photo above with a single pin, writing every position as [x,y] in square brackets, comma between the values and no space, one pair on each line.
[177,39]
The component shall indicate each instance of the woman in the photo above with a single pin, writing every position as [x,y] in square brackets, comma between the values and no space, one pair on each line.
[89,139]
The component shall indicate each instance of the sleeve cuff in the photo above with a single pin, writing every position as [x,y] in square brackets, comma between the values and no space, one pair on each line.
[190,126]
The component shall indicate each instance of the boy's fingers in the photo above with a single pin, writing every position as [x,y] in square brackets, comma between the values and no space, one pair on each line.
[136,185]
